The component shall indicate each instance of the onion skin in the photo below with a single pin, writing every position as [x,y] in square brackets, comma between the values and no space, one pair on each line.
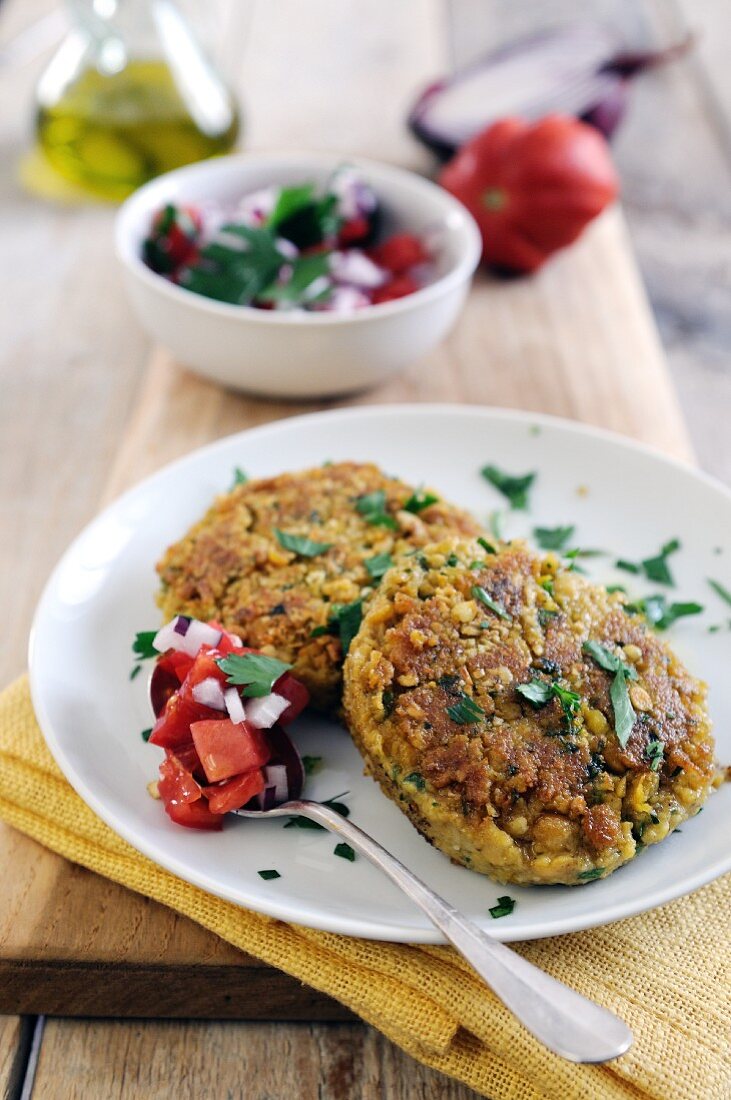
[532,187]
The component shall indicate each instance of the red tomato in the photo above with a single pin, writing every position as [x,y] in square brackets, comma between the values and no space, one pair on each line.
[176,783]
[399,253]
[194,815]
[225,749]
[235,793]
[397,288]
[173,726]
[532,187]
[295,692]
[357,229]
[178,663]
[187,757]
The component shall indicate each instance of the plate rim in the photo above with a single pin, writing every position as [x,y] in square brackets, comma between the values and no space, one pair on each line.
[353,926]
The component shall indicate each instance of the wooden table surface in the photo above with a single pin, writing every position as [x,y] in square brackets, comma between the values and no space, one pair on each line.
[75,382]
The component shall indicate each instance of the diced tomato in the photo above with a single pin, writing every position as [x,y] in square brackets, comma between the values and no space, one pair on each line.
[399,253]
[235,793]
[187,756]
[173,726]
[176,783]
[194,815]
[296,694]
[176,662]
[357,229]
[397,288]
[225,748]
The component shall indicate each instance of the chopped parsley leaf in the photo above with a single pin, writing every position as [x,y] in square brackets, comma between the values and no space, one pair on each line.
[240,477]
[420,500]
[146,734]
[628,566]
[372,506]
[624,714]
[513,488]
[539,692]
[417,780]
[268,874]
[547,585]
[300,544]
[136,670]
[142,646]
[480,594]
[720,590]
[348,617]
[452,560]
[553,538]
[344,851]
[615,588]
[545,615]
[486,546]
[588,876]
[465,711]
[656,569]
[388,700]
[495,519]
[254,671]
[659,613]
[504,907]
[378,565]
[306,823]
[311,764]
[654,750]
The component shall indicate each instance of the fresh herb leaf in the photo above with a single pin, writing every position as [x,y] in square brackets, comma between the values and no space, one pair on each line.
[608,660]
[136,670]
[515,489]
[656,569]
[311,222]
[588,876]
[547,585]
[349,617]
[311,764]
[372,506]
[628,566]
[452,560]
[420,500]
[615,588]
[537,692]
[142,646]
[300,544]
[308,281]
[290,200]
[660,613]
[417,780]
[146,734]
[624,714]
[553,538]
[254,671]
[344,851]
[378,565]
[720,590]
[654,750]
[388,700]
[268,874]
[545,615]
[240,477]
[486,546]
[495,520]
[504,907]
[465,711]
[480,594]
[236,265]
[306,823]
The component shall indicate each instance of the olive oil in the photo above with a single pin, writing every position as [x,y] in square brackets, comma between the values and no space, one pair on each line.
[111,132]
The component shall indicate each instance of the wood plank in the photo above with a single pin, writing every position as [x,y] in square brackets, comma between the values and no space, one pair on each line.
[15,1036]
[134,1061]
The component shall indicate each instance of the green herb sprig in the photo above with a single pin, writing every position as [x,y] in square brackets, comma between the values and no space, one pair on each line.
[480,594]
[514,488]
[504,907]
[255,672]
[300,544]
[624,714]
[372,506]
[465,710]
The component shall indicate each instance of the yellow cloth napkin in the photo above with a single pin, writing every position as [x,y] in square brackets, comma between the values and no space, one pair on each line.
[667,973]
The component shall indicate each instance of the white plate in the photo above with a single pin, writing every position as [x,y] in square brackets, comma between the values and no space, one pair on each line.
[101,593]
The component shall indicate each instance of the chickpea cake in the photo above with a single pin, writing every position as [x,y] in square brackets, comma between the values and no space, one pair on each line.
[530,727]
[286,562]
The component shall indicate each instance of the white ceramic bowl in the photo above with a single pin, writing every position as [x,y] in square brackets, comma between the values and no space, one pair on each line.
[298,354]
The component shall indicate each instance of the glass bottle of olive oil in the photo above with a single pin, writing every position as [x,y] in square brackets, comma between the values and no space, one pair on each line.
[130,94]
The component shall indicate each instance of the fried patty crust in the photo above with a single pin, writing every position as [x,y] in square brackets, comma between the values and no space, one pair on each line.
[234,566]
[522,791]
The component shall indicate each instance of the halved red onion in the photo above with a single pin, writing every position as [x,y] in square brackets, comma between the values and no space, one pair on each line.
[356,269]
[234,705]
[210,694]
[186,635]
[264,712]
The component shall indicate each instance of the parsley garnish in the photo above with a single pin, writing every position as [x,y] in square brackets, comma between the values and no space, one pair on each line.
[142,646]
[311,764]
[388,701]
[145,735]
[540,692]
[624,715]
[515,489]
[545,615]
[254,671]
[587,876]
[628,566]
[486,546]
[452,560]
[344,851]
[655,568]
[552,538]
[720,590]
[420,500]
[654,750]
[268,874]
[378,565]
[504,907]
[308,282]
[495,520]
[465,711]
[235,273]
[136,670]
[418,780]
[300,544]
[349,618]
[372,506]
[240,477]
[480,594]
[306,823]
[659,612]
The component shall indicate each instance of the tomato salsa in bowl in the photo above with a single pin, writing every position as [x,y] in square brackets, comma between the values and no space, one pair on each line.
[364,268]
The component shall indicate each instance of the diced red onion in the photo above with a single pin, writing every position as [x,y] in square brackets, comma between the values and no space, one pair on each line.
[185,635]
[276,790]
[263,712]
[344,299]
[255,208]
[209,693]
[287,249]
[284,751]
[356,198]
[354,268]
[234,705]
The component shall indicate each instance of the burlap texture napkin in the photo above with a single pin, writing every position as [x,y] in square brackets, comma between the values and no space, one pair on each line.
[667,973]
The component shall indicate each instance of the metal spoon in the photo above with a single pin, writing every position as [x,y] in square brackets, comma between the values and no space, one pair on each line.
[567,1023]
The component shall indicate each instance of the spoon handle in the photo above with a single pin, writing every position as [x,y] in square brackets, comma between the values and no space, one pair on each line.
[565,1021]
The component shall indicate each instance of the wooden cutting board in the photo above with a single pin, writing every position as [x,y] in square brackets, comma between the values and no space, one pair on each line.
[578,341]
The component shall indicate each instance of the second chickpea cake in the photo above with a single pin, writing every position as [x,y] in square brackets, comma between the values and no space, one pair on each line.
[531,727]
